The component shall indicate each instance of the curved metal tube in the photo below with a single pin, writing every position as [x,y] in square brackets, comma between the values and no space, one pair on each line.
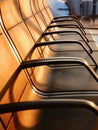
[59,60]
[49,103]
[67,42]
[74,18]
[69,25]
[57,32]
[69,20]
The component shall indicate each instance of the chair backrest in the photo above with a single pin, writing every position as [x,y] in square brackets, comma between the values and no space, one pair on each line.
[38,14]
[13,82]
[29,18]
[17,29]
[43,10]
[47,9]
[16,43]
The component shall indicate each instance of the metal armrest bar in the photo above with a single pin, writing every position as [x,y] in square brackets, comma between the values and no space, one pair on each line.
[59,60]
[67,42]
[49,103]
[69,25]
[68,20]
[74,18]
[69,16]
[57,32]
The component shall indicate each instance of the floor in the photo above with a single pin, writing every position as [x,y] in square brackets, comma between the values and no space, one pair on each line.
[92,26]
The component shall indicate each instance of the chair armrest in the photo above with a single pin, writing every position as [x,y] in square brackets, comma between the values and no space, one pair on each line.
[65,42]
[59,60]
[57,32]
[69,25]
[68,18]
[49,103]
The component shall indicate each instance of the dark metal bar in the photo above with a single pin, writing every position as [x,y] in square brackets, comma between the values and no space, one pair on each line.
[49,103]
[73,18]
[67,42]
[69,25]
[69,16]
[68,20]
[59,60]
[57,32]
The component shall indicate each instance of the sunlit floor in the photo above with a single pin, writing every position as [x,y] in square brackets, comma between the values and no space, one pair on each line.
[88,23]
[92,26]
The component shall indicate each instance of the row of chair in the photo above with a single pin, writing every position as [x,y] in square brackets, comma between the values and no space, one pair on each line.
[43,57]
